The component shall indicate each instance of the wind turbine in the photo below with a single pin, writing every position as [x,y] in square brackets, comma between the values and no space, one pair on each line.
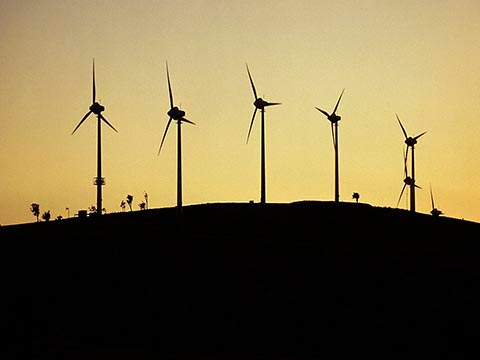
[411,141]
[179,116]
[97,109]
[435,212]
[407,180]
[260,104]
[334,119]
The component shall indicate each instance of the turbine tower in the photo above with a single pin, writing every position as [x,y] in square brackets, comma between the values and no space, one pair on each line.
[411,141]
[179,116]
[97,109]
[407,181]
[260,104]
[334,119]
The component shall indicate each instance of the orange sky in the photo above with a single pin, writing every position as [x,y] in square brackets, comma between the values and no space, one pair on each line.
[415,58]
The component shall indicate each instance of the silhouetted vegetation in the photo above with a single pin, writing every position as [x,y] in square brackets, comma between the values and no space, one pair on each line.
[35,209]
[46,216]
[284,281]
[356,196]
[130,201]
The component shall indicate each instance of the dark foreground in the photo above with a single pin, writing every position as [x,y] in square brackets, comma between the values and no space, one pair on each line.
[304,280]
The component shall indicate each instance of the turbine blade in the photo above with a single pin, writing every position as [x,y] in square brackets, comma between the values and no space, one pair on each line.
[338,102]
[416,137]
[403,129]
[169,87]
[405,171]
[81,121]
[406,156]
[333,137]
[401,193]
[271,104]
[431,197]
[418,187]
[106,121]
[164,134]
[251,82]
[323,112]
[251,124]
[94,90]
[188,121]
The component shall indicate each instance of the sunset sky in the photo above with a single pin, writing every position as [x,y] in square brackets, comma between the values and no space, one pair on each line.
[419,59]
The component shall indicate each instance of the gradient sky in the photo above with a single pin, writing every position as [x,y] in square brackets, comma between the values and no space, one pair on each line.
[419,59]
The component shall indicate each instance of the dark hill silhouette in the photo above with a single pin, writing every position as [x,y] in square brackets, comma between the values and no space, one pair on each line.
[239,280]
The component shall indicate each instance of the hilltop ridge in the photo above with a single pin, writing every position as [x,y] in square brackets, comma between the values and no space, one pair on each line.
[318,221]
[242,280]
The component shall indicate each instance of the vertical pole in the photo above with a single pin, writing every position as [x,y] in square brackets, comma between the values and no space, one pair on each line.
[179,169]
[263,199]
[337,194]
[412,185]
[99,166]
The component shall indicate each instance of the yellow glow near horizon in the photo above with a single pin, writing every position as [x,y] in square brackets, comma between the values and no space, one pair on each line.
[414,58]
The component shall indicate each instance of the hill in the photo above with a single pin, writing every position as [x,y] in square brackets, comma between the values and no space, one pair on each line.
[240,280]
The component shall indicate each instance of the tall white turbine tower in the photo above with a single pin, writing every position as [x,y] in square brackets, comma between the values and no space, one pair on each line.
[97,109]
[179,116]
[334,119]
[260,104]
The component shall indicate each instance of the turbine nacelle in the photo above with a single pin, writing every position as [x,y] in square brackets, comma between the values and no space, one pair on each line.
[96,108]
[175,113]
[261,104]
[410,141]
[334,118]
[409,181]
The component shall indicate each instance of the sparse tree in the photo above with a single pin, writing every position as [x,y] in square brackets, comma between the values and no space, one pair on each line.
[123,204]
[92,209]
[142,205]
[59,217]
[356,196]
[35,209]
[46,216]
[130,201]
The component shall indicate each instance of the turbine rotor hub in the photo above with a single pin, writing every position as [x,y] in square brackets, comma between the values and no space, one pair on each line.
[175,113]
[410,141]
[260,103]
[96,108]
[408,180]
[334,118]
